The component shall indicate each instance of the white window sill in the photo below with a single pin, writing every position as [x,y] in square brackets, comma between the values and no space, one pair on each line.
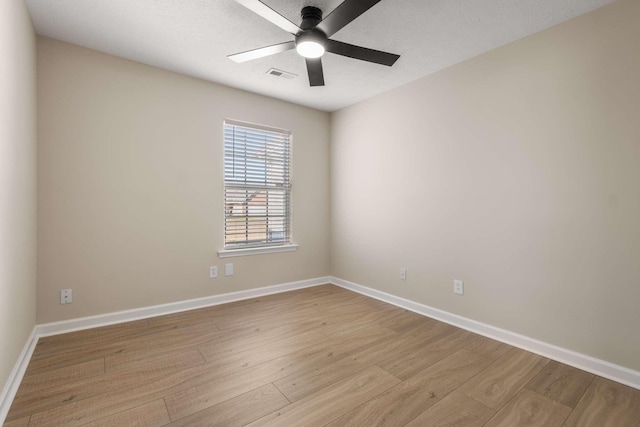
[228,253]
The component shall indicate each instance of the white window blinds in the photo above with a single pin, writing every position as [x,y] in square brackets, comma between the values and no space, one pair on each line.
[257,186]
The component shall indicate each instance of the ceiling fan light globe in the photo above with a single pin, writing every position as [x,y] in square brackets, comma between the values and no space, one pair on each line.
[310,49]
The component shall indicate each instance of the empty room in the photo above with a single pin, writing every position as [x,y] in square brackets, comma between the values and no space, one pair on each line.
[320,213]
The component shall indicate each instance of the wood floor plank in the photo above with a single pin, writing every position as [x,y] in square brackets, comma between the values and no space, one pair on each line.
[405,401]
[59,397]
[204,394]
[336,301]
[20,422]
[501,381]
[366,319]
[257,320]
[321,407]
[488,347]
[152,414]
[72,341]
[185,386]
[214,345]
[91,409]
[287,309]
[342,329]
[562,383]
[400,320]
[238,411]
[607,404]
[307,297]
[336,311]
[61,376]
[417,358]
[197,334]
[529,409]
[355,312]
[257,343]
[455,410]
[304,383]
[255,356]
[396,345]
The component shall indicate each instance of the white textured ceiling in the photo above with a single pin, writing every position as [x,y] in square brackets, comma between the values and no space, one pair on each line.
[193,37]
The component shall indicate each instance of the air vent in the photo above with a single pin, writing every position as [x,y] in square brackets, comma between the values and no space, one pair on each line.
[279,73]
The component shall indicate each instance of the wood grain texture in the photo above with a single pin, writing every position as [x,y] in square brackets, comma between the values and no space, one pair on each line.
[177,339]
[397,345]
[205,393]
[237,411]
[455,410]
[152,414]
[365,321]
[314,356]
[417,357]
[529,409]
[407,400]
[501,381]
[106,335]
[264,353]
[267,335]
[562,383]
[61,376]
[607,404]
[304,383]
[488,347]
[401,320]
[331,402]
[58,397]
[20,422]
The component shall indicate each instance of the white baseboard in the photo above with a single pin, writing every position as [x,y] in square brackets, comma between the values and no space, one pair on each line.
[587,363]
[15,377]
[106,319]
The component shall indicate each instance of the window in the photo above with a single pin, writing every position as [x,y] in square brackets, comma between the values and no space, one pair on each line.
[257,187]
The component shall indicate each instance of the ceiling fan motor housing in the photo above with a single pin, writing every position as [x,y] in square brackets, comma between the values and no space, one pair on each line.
[311,16]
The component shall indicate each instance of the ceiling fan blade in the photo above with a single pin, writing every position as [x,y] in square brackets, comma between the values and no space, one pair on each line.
[361,53]
[270,15]
[262,52]
[314,69]
[346,12]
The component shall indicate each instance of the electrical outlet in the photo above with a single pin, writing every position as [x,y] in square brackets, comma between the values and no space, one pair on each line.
[458,287]
[66,296]
[403,274]
[213,272]
[228,269]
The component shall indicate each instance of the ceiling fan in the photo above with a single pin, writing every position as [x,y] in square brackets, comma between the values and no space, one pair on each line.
[312,36]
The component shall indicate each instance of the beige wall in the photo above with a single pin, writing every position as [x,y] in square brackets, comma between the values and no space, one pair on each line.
[17,182]
[130,185]
[519,173]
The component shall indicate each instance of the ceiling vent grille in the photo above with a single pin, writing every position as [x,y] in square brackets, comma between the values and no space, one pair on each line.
[280,73]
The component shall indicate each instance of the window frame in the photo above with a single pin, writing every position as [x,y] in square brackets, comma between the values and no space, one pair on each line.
[248,248]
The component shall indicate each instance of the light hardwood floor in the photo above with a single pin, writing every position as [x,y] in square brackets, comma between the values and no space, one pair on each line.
[321,356]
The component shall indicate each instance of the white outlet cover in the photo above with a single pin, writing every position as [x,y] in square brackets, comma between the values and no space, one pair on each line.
[458,287]
[66,296]
[213,272]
